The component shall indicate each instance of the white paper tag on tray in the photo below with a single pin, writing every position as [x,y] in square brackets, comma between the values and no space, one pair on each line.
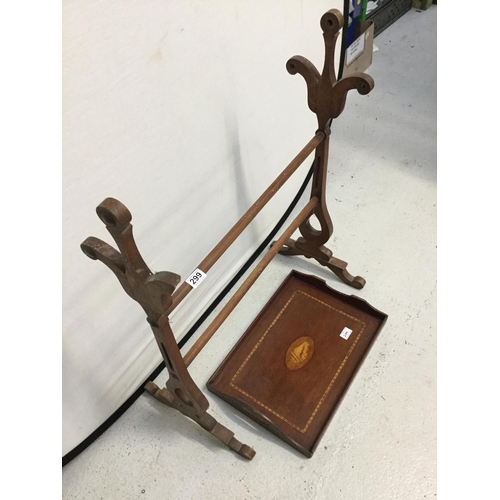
[195,278]
[345,333]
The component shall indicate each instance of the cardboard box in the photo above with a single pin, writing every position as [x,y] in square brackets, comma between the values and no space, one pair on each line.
[358,56]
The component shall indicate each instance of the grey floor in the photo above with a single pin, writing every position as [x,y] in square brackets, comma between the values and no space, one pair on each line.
[381,444]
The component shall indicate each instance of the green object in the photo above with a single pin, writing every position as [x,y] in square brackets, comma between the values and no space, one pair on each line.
[362,17]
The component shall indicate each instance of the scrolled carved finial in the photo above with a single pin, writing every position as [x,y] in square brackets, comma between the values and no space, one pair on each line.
[114,214]
[361,82]
[153,291]
[332,21]
[365,84]
[299,64]
[325,95]
[96,249]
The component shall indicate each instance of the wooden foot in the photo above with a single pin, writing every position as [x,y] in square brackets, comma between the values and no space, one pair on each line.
[206,421]
[324,257]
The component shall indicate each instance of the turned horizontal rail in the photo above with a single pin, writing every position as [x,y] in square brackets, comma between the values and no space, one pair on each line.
[248,216]
[235,299]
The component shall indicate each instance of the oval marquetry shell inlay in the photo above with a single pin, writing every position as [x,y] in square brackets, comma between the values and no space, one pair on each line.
[299,353]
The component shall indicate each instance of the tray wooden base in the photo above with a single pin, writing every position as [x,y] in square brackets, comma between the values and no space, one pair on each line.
[291,368]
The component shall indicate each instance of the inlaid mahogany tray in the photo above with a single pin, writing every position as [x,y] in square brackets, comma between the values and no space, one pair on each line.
[291,368]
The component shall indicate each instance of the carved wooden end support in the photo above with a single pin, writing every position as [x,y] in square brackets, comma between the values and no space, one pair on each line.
[326,98]
[153,291]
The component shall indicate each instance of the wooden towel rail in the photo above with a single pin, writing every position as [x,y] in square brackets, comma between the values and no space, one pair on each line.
[158,294]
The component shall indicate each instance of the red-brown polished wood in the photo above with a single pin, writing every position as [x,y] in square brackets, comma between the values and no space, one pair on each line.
[326,97]
[248,216]
[240,293]
[291,368]
[155,291]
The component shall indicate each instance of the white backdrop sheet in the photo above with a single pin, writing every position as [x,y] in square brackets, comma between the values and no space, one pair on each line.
[183,111]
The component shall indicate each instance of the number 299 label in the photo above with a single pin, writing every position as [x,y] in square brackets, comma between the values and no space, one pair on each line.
[195,278]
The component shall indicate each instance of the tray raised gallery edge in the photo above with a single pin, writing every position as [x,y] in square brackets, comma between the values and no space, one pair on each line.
[291,368]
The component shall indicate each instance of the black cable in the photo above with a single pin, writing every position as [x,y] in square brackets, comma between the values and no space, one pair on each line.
[110,421]
[127,404]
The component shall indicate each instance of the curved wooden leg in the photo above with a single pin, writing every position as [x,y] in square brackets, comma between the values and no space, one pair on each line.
[206,420]
[339,267]
[324,257]
[288,248]
[182,393]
